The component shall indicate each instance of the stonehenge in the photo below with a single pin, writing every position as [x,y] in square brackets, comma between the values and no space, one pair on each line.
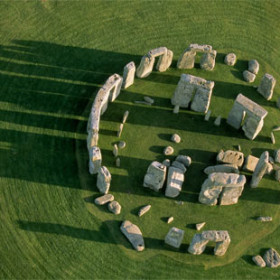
[248,111]
[128,75]
[187,58]
[224,188]
[266,86]
[147,62]
[191,87]
[200,240]
[174,237]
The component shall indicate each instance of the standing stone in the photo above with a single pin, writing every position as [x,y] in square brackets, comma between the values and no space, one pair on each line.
[121,145]
[149,100]
[118,162]
[266,86]
[175,181]
[179,165]
[232,157]
[253,66]
[207,61]
[103,180]
[175,138]
[230,59]
[186,60]
[164,61]
[176,109]
[217,121]
[224,168]
[115,150]
[207,116]
[277,155]
[197,245]
[95,160]
[250,163]
[248,76]
[144,210]
[239,148]
[134,235]
[125,116]
[174,237]
[170,220]
[200,225]
[258,260]
[128,74]
[120,130]
[101,200]
[114,207]
[277,175]
[272,137]
[186,160]
[155,176]
[271,258]
[168,151]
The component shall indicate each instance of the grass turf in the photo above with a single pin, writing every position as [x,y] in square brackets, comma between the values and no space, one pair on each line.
[54,56]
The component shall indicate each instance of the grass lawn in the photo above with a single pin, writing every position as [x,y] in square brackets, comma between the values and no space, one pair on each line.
[54,55]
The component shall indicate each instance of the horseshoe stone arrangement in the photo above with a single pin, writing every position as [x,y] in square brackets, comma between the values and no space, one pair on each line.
[224,184]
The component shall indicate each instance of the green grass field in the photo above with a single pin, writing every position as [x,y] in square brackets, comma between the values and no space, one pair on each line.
[54,56]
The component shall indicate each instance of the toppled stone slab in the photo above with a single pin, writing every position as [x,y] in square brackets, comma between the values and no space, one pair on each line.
[194,90]
[260,170]
[179,165]
[200,240]
[266,86]
[248,76]
[170,220]
[103,180]
[128,74]
[186,160]
[144,210]
[168,151]
[200,226]
[231,157]
[264,219]
[277,155]
[175,138]
[224,168]
[174,237]
[155,176]
[101,200]
[114,207]
[175,180]
[259,261]
[250,163]
[133,234]
[272,258]
[149,100]
[225,187]
[95,159]
[230,59]
[253,66]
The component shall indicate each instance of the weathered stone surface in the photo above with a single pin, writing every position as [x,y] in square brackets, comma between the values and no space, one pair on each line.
[272,137]
[101,200]
[133,234]
[260,170]
[264,219]
[224,168]
[95,160]
[128,74]
[231,157]
[200,225]
[179,165]
[250,163]
[120,130]
[144,210]
[248,76]
[207,61]
[227,187]
[170,220]
[175,138]
[277,175]
[168,151]
[103,180]
[125,116]
[166,162]
[114,207]
[258,260]
[217,121]
[266,86]
[149,99]
[146,66]
[118,162]
[253,66]
[174,237]
[186,160]
[277,155]
[271,258]
[207,116]
[186,60]
[121,145]
[230,59]
[175,181]
[155,177]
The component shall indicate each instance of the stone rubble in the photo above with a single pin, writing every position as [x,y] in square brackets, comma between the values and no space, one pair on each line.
[266,86]
[277,155]
[179,165]
[170,220]
[207,116]
[277,175]
[103,180]
[176,109]
[118,162]
[121,145]
[120,130]
[272,137]
[149,100]
[230,59]
[166,162]
[101,200]
[144,210]
[114,207]
[174,237]
[250,163]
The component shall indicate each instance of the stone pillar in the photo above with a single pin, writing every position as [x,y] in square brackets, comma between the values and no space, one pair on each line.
[236,116]
[146,66]
[186,60]
[128,74]
[266,86]
[252,126]
[207,61]
[95,159]
[164,61]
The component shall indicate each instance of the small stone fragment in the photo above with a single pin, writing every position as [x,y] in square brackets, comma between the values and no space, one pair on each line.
[120,130]
[248,76]
[121,145]
[217,121]
[186,160]
[278,102]
[272,137]
[101,200]
[239,148]
[175,138]
[176,109]
[174,237]
[271,258]
[277,128]
[258,260]
[253,66]
[179,165]
[144,210]
[170,220]
[230,59]
[264,219]
[118,162]
[168,151]
[149,99]
[200,225]
[207,116]
[277,156]
[166,162]
[114,207]
[115,150]
[125,116]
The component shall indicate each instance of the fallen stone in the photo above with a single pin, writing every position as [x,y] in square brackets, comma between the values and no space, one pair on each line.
[101,200]
[144,210]
[175,181]
[142,102]
[277,128]
[170,220]
[266,86]
[250,163]
[260,170]
[103,180]
[95,159]
[121,145]
[179,165]
[225,168]
[217,121]
[179,202]
[175,138]
[207,116]
[166,162]
[232,157]
[168,151]
[272,137]
[264,219]
[155,176]
[200,225]
[149,100]
[128,74]
[248,76]
[125,116]
[115,150]
[120,130]
[186,160]
[258,260]
[114,207]
[253,66]
[176,109]
[118,162]
[174,237]
[133,234]
[277,175]
[271,258]
[230,59]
